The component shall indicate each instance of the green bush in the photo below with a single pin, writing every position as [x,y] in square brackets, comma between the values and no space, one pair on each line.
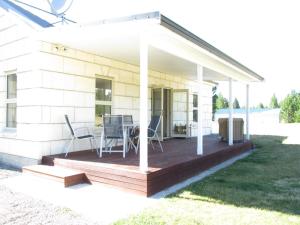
[290,108]
[221,102]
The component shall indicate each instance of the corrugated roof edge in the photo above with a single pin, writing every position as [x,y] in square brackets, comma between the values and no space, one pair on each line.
[8,5]
[166,22]
[142,16]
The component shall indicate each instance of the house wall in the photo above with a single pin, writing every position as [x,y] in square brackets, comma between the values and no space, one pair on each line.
[16,54]
[68,87]
[53,81]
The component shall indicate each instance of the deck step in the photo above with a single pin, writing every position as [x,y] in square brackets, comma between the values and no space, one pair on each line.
[66,176]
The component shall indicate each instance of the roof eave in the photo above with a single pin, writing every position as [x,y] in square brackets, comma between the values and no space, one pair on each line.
[176,28]
[179,30]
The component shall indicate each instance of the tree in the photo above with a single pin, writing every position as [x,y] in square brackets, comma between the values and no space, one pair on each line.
[290,108]
[236,104]
[221,102]
[261,106]
[214,101]
[274,102]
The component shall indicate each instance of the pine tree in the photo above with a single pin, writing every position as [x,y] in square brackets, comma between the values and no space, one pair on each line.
[214,101]
[274,102]
[261,106]
[236,104]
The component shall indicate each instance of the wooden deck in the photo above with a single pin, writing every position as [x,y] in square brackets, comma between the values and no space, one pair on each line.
[178,162]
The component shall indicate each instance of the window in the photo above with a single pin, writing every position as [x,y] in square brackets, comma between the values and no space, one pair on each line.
[11,114]
[103,89]
[103,99]
[195,107]
[11,92]
[11,101]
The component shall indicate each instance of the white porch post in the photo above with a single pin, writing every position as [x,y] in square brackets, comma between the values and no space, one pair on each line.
[199,109]
[143,104]
[247,112]
[230,116]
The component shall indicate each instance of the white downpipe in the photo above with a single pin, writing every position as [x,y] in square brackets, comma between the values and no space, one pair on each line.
[230,116]
[247,113]
[199,108]
[143,104]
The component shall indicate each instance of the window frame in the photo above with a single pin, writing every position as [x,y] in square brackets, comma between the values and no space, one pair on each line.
[104,102]
[10,100]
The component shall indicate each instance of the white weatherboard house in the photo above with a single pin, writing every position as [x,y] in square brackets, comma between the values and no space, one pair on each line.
[138,65]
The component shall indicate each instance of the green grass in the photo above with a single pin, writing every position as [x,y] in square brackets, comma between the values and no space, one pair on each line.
[263,188]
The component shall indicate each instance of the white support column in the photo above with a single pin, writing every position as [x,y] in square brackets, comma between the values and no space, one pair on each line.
[230,116]
[199,109]
[143,104]
[247,112]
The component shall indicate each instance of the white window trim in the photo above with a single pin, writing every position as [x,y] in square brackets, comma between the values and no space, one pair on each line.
[8,101]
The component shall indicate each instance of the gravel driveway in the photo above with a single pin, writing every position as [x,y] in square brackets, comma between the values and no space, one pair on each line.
[19,209]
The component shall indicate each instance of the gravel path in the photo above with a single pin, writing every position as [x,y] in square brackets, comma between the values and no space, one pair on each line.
[19,209]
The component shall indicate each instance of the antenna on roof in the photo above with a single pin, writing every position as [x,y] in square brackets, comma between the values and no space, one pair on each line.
[60,7]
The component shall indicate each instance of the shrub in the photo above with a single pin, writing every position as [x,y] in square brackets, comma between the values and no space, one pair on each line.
[290,108]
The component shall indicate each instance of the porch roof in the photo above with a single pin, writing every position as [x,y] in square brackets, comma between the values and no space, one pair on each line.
[172,48]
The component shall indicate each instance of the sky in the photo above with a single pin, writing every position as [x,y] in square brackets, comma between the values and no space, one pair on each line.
[262,35]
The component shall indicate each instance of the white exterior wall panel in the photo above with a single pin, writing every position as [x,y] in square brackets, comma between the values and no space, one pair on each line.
[54,82]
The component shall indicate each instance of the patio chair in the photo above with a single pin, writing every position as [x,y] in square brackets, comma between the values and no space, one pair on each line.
[113,130]
[76,135]
[152,131]
[131,132]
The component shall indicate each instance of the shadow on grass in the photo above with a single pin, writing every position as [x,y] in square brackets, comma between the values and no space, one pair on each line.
[267,179]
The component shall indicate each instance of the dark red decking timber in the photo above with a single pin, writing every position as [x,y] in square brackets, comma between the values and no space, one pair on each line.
[63,175]
[178,162]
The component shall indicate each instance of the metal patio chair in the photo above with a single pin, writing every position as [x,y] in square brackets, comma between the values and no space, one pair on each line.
[132,137]
[75,134]
[113,130]
[152,131]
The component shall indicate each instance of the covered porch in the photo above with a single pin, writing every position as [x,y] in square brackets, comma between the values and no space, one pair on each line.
[178,162]
[155,43]
[157,58]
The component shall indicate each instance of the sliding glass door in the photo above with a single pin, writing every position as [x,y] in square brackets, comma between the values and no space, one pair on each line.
[161,105]
[180,113]
[172,104]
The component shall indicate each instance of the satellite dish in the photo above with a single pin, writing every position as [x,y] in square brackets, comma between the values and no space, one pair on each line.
[60,7]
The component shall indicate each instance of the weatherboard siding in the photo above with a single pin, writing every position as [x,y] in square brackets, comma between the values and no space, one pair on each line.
[53,82]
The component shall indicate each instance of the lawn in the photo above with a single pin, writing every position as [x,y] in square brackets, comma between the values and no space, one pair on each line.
[263,188]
